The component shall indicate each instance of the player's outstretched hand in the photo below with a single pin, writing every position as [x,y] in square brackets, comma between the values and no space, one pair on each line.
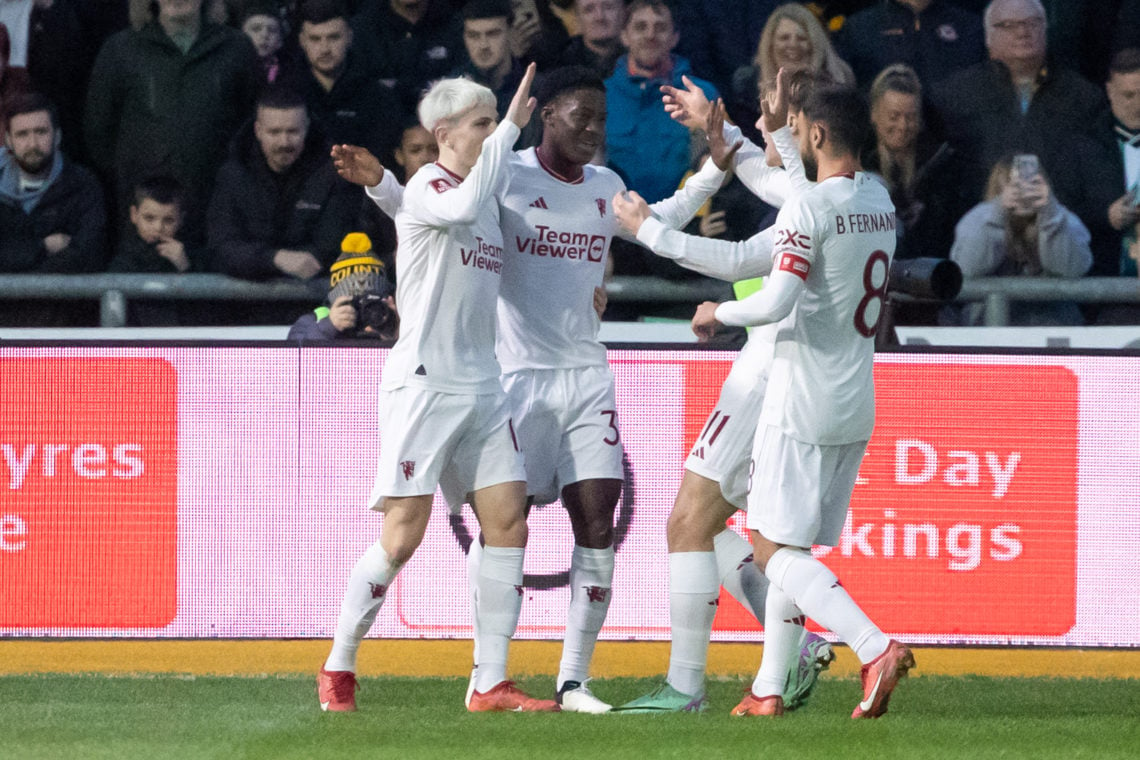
[689,106]
[522,104]
[631,210]
[705,324]
[719,150]
[774,105]
[357,165]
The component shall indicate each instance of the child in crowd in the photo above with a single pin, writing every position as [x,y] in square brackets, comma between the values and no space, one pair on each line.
[152,245]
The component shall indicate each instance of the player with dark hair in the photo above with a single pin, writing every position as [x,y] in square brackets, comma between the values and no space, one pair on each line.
[833,250]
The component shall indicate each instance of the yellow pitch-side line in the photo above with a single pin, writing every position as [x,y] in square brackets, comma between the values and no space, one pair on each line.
[391,657]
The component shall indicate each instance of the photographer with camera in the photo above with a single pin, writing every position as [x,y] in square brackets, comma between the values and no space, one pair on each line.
[361,303]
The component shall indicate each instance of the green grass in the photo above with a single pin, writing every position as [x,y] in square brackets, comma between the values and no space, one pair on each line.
[93,716]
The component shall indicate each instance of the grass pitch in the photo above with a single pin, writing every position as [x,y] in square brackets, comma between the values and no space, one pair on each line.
[151,717]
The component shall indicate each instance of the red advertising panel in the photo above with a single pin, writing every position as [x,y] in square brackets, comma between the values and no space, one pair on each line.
[88,492]
[964,520]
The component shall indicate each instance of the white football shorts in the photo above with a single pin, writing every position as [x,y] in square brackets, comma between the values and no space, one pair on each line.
[460,442]
[723,450]
[567,427]
[800,492]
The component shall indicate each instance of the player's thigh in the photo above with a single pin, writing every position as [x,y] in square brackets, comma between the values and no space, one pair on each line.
[591,447]
[841,469]
[784,500]
[419,432]
[487,454]
[538,425]
[723,450]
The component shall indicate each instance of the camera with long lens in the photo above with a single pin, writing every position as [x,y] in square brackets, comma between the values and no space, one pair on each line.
[374,318]
[926,278]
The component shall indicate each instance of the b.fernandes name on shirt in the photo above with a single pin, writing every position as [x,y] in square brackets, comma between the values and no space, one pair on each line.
[884,222]
[483,256]
[563,245]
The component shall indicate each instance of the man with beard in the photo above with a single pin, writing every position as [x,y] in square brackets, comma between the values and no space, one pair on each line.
[52,217]
[279,208]
[555,369]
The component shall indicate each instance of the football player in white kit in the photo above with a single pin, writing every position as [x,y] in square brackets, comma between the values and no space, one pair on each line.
[830,264]
[715,483]
[444,413]
[557,225]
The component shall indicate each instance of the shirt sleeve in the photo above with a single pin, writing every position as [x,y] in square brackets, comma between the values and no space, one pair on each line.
[722,259]
[387,195]
[769,183]
[676,211]
[444,204]
[793,255]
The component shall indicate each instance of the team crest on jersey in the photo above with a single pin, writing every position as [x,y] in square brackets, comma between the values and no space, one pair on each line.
[601,207]
[408,468]
[378,590]
[440,185]
[793,239]
[596,593]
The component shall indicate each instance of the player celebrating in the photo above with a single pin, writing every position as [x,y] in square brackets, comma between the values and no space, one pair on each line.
[442,408]
[714,484]
[556,371]
[830,263]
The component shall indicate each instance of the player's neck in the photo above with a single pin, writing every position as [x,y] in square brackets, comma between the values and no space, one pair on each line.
[558,165]
[832,166]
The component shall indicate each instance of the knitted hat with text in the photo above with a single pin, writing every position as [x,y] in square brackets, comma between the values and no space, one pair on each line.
[356,270]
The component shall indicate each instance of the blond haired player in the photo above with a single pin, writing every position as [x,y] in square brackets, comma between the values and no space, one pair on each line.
[443,411]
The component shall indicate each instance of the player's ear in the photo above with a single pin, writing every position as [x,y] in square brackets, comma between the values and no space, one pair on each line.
[818,134]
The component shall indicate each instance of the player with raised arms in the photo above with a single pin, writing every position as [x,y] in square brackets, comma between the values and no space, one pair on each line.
[555,367]
[714,485]
[831,260]
[443,411]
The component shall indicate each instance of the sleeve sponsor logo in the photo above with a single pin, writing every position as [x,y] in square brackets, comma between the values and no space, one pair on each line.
[441,185]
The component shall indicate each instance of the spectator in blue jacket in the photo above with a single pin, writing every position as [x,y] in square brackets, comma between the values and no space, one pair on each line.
[643,144]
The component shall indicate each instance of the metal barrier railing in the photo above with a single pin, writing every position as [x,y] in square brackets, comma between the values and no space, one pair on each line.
[115,291]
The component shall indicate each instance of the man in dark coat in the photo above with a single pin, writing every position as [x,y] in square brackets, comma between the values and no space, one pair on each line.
[279,208]
[166,99]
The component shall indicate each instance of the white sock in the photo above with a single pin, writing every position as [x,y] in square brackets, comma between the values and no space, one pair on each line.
[693,593]
[591,582]
[739,574]
[815,590]
[367,587]
[474,560]
[499,600]
[782,638]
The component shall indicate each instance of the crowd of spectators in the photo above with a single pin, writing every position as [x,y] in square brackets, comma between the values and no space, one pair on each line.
[194,135]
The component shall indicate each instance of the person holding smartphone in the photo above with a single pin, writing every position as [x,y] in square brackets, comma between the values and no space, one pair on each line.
[1021,229]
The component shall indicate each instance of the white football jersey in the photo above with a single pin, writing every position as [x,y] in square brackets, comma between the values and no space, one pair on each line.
[449,266]
[838,237]
[557,236]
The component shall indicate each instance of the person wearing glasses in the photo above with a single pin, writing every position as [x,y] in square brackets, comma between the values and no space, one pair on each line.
[1021,102]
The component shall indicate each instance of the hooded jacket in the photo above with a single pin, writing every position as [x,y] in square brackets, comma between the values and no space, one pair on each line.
[255,212]
[71,203]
